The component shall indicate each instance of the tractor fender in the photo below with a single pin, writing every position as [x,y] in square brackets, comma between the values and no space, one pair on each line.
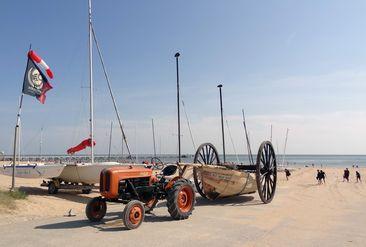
[171,182]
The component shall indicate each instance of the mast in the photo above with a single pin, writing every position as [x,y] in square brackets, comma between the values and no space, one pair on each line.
[40,144]
[222,124]
[91,96]
[153,133]
[232,141]
[110,142]
[250,156]
[271,134]
[284,149]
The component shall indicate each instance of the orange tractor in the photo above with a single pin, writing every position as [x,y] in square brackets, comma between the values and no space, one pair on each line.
[140,190]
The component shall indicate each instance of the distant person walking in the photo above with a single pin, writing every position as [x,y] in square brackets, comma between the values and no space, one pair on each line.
[346,175]
[322,175]
[287,172]
[358,177]
[318,177]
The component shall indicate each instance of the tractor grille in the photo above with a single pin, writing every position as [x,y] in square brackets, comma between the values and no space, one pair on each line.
[101,182]
[107,181]
[104,181]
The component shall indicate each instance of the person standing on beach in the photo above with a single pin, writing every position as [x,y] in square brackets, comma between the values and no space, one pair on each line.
[318,177]
[287,172]
[322,175]
[346,175]
[358,177]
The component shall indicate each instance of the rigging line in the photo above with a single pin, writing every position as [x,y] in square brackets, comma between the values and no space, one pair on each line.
[284,149]
[189,125]
[232,141]
[110,91]
[250,156]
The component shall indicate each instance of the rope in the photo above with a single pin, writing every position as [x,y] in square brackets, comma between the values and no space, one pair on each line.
[110,91]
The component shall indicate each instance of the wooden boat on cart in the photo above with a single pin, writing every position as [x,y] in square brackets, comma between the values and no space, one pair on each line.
[214,179]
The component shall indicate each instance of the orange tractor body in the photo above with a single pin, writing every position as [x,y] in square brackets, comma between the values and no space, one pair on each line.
[140,190]
[110,178]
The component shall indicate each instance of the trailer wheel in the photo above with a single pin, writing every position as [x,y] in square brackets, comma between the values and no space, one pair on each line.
[206,154]
[86,191]
[133,214]
[52,189]
[96,209]
[181,199]
[266,172]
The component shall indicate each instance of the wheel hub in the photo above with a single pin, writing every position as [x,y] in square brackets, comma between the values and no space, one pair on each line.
[185,199]
[135,215]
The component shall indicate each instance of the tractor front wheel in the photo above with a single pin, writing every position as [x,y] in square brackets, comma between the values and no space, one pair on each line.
[133,214]
[181,199]
[96,209]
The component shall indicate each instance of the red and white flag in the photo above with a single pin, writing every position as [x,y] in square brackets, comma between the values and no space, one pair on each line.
[35,82]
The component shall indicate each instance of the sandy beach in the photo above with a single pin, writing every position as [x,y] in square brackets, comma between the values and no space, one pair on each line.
[302,213]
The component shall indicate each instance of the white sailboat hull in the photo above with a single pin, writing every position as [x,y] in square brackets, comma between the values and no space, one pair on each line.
[85,173]
[33,170]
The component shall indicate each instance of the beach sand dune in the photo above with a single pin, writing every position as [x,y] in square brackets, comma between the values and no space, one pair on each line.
[302,213]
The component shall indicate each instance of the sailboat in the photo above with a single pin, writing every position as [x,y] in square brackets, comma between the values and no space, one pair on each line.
[89,173]
[33,170]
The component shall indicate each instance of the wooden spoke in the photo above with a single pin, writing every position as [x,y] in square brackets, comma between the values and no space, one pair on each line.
[205,154]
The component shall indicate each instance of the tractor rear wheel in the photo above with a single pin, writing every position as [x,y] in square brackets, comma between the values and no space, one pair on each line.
[96,209]
[133,214]
[181,199]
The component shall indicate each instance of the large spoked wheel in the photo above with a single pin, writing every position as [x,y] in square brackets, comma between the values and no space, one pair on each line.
[208,155]
[181,199]
[133,214]
[96,209]
[266,172]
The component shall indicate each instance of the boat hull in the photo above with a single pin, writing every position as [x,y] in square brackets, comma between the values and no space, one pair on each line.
[85,173]
[33,170]
[222,182]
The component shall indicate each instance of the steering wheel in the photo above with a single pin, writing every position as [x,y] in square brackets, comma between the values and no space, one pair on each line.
[157,164]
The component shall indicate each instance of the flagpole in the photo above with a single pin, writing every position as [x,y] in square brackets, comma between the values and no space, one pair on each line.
[17,128]
[16,140]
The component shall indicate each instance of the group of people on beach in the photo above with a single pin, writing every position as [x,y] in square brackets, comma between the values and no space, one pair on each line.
[346,176]
[320,176]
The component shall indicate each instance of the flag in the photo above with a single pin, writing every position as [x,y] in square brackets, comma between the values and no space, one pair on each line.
[35,82]
[84,144]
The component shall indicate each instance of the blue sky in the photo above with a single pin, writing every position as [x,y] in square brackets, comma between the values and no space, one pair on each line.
[294,64]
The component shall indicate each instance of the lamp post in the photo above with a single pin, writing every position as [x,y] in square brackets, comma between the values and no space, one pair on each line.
[222,123]
[178,105]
